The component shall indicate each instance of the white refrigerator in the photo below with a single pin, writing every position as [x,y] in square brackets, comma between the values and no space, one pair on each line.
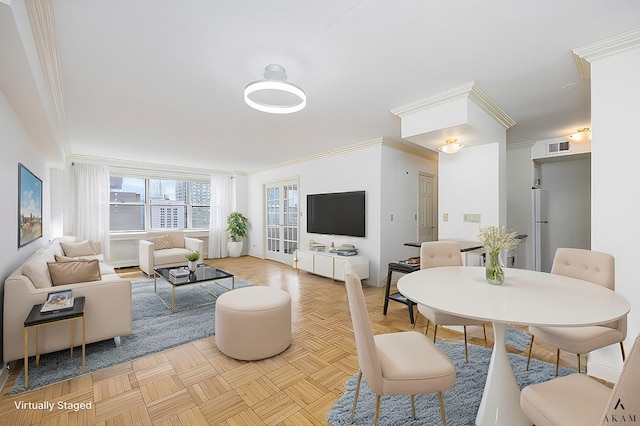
[540,203]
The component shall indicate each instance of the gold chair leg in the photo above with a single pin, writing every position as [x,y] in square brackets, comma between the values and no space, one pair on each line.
[484,329]
[530,348]
[557,361]
[435,331]
[413,407]
[622,351]
[466,349]
[579,366]
[444,419]
[377,410]
[355,400]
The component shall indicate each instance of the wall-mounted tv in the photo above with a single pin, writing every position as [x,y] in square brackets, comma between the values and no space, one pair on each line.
[337,213]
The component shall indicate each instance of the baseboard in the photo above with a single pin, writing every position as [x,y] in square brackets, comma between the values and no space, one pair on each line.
[603,372]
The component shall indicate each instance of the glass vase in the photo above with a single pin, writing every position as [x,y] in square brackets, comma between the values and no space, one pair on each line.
[494,271]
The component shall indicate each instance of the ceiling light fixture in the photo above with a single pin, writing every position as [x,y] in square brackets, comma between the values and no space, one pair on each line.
[274,94]
[581,135]
[451,146]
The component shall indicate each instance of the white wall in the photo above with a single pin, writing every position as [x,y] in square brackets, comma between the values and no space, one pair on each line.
[615,91]
[470,182]
[358,169]
[17,147]
[399,198]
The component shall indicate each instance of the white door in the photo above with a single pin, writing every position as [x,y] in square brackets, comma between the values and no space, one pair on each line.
[427,213]
[282,214]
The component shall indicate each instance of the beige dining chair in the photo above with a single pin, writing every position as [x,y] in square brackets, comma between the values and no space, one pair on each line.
[578,400]
[598,268]
[402,363]
[434,254]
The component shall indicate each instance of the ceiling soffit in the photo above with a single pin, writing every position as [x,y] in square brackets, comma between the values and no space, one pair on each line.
[451,114]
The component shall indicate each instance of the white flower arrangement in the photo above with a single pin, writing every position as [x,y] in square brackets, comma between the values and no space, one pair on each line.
[496,239]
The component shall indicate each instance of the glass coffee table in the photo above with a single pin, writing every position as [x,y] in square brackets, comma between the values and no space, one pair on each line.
[202,274]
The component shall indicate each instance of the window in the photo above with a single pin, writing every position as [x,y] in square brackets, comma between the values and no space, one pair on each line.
[139,203]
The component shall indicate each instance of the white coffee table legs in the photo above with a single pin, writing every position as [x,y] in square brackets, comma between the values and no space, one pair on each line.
[500,403]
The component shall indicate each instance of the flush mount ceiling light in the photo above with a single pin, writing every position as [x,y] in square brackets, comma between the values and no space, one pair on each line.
[581,135]
[451,146]
[274,94]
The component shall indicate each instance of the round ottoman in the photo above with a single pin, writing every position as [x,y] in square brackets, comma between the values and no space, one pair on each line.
[253,322]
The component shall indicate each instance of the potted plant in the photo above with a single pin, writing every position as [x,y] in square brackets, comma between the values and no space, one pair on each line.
[193,258]
[237,228]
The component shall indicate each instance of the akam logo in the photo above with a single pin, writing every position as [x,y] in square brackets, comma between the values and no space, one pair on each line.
[619,416]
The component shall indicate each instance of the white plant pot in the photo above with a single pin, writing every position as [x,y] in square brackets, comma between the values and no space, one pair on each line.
[193,264]
[235,248]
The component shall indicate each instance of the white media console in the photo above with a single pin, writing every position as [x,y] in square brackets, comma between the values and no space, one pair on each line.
[330,264]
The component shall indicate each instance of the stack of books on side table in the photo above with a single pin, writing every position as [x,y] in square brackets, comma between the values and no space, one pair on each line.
[58,301]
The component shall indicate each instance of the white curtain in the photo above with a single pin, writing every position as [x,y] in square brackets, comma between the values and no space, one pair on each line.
[221,199]
[91,209]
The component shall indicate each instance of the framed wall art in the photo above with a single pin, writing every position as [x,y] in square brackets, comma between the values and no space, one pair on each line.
[29,206]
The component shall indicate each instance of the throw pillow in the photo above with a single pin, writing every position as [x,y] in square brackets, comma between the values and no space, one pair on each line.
[74,272]
[161,242]
[83,248]
[66,259]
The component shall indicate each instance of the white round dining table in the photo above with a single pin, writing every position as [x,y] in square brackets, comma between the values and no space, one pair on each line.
[525,298]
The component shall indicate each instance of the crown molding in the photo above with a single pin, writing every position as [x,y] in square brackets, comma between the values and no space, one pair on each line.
[321,155]
[520,145]
[43,27]
[140,165]
[583,56]
[424,153]
[468,90]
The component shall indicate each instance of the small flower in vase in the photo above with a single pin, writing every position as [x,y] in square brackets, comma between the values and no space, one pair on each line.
[496,239]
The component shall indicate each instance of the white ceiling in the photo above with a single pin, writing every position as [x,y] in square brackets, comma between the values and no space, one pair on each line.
[161,81]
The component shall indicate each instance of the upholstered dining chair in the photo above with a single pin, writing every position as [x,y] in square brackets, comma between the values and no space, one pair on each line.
[598,268]
[579,400]
[434,254]
[402,363]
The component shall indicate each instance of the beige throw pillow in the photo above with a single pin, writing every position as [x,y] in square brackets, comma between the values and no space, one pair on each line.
[74,272]
[161,242]
[83,248]
[66,259]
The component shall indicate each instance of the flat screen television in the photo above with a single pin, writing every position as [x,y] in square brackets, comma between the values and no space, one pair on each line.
[337,213]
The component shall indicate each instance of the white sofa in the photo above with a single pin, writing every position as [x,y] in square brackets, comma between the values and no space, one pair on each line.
[170,253]
[107,303]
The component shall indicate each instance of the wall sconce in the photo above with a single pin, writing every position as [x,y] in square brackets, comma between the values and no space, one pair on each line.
[581,135]
[451,146]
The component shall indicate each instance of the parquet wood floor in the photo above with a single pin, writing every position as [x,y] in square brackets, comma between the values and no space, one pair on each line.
[195,384]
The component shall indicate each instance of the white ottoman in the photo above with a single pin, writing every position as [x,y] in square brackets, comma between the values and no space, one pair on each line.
[253,322]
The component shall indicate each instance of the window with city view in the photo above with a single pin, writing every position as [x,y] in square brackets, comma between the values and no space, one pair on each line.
[139,203]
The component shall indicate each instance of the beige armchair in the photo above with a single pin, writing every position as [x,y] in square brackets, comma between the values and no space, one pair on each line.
[445,253]
[598,268]
[578,400]
[403,363]
[164,249]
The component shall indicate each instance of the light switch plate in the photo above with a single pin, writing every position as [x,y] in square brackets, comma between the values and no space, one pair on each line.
[471,217]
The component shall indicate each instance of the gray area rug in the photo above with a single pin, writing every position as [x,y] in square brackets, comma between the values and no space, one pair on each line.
[461,403]
[517,339]
[154,329]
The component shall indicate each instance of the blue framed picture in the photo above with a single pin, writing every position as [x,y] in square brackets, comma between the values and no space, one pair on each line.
[29,206]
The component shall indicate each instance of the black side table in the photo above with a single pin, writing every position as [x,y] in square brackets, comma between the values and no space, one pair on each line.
[403,268]
[35,319]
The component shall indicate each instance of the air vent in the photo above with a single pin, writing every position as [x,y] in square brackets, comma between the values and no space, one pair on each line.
[556,147]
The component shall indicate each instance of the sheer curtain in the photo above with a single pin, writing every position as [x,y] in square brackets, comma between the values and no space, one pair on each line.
[221,199]
[91,206]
